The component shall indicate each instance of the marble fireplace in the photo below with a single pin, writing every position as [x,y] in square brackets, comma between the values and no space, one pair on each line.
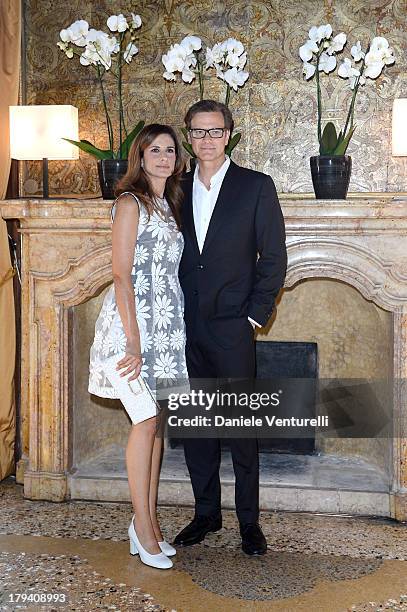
[346,288]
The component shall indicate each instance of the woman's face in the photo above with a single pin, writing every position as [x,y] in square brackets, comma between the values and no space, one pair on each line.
[159,157]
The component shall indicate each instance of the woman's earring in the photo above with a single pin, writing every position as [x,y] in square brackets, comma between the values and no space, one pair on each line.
[142,164]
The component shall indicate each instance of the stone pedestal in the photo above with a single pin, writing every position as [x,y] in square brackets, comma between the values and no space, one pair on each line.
[66,259]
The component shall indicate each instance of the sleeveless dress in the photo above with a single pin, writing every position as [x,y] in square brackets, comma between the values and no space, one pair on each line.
[159,308]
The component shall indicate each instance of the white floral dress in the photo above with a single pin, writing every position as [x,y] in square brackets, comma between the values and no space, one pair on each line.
[159,308]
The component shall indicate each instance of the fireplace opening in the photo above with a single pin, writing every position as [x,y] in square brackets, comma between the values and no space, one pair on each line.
[340,334]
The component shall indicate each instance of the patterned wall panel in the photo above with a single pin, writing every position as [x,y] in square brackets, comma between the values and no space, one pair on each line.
[276,110]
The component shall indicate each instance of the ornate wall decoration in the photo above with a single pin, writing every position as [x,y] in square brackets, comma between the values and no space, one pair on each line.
[276,110]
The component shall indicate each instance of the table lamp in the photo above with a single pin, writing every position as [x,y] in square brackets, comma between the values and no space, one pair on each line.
[37,132]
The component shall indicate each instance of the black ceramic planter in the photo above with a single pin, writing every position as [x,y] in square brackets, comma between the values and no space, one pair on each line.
[330,176]
[110,171]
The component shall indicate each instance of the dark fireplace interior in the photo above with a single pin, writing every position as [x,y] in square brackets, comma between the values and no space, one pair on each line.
[282,360]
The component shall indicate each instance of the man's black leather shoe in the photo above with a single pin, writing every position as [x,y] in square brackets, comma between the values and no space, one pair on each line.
[197,530]
[253,540]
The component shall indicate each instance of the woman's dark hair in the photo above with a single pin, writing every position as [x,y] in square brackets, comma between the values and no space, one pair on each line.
[137,181]
[209,106]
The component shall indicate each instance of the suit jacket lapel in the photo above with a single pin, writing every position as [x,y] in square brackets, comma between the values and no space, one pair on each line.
[188,213]
[224,204]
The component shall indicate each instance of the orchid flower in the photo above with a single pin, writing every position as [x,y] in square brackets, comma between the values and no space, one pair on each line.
[308,49]
[131,50]
[327,63]
[189,58]
[76,33]
[228,58]
[135,21]
[318,55]
[308,70]
[317,34]
[337,44]
[191,43]
[356,52]
[106,54]
[235,78]
[117,23]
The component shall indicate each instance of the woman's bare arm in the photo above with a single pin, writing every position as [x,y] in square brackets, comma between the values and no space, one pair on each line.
[124,238]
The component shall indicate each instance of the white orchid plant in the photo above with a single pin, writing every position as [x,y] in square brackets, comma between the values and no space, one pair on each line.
[319,55]
[191,60]
[107,54]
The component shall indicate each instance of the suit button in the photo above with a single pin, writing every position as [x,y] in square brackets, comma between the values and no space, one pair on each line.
[200,267]
[196,292]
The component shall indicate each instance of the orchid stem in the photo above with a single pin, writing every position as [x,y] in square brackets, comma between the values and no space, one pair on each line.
[200,77]
[227,97]
[119,91]
[319,104]
[352,104]
[121,100]
[108,120]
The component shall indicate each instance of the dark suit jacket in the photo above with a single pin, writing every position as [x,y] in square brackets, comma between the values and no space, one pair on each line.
[227,282]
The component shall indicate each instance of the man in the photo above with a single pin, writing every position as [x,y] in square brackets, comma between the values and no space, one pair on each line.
[231,271]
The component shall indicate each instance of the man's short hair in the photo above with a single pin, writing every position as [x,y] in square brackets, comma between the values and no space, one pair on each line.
[209,106]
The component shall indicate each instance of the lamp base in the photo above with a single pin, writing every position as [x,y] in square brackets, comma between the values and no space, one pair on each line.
[45,183]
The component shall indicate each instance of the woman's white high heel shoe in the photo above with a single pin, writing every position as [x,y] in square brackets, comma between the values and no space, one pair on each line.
[167,549]
[160,560]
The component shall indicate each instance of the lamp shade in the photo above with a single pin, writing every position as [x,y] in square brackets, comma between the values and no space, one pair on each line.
[37,131]
[399,127]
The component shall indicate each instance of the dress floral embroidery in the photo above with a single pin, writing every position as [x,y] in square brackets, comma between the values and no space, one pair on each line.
[159,308]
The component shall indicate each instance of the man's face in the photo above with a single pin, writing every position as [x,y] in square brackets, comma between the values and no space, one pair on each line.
[207,148]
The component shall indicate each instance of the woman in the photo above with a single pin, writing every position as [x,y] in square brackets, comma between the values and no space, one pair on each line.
[141,321]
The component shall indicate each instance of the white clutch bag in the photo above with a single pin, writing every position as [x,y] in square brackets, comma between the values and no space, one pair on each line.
[135,395]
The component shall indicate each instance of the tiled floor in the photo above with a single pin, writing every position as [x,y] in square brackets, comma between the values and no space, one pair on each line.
[314,563]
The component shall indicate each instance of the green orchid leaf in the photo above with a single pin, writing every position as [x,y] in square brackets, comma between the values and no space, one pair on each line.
[329,139]
[185,133]
[188,148]
[341,148]
[127,142]
[233,142]
[88,147]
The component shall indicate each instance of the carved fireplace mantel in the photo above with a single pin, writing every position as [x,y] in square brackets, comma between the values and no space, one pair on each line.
[66,259]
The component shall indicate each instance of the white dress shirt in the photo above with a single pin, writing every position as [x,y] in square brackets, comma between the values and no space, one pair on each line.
[203,204]
[204,200]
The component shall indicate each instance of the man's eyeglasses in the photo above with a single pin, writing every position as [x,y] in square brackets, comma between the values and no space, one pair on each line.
[201,133]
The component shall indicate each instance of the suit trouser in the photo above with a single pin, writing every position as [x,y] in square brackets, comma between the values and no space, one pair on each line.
[206,359]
